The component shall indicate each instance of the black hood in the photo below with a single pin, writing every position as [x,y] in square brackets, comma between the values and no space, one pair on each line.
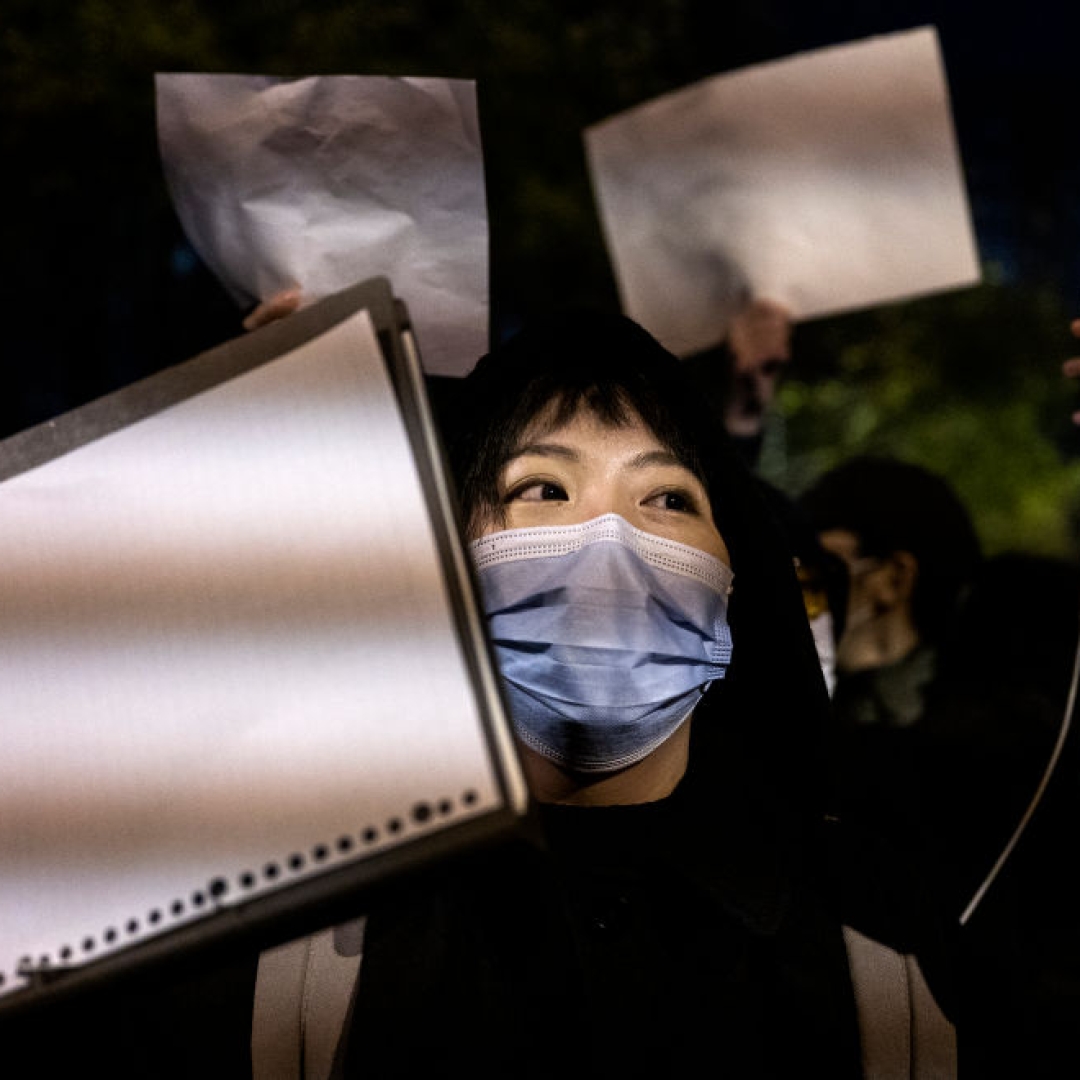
[758,752]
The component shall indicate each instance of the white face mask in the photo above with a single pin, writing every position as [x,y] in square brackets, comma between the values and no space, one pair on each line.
[606,636]
[816,600]
[821,626]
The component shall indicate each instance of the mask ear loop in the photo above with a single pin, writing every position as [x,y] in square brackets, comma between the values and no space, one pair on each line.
[1070,706]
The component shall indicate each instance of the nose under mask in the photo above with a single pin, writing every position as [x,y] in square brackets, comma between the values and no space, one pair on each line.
[606,636]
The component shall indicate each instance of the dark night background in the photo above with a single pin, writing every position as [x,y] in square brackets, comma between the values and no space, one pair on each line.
[101,287]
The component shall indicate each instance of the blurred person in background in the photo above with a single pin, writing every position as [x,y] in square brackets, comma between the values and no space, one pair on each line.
[910,550]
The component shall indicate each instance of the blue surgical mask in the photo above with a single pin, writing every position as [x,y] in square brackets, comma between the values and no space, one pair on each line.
[606,636]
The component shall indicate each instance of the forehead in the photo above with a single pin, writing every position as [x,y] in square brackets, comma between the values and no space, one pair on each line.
[583,418]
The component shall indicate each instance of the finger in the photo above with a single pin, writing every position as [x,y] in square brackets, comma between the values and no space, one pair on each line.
[277,307]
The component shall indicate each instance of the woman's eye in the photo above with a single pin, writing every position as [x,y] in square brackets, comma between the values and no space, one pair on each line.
[538,491]
[678,501]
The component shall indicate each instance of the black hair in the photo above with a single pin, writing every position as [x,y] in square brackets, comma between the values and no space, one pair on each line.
[893,505]
[606,363]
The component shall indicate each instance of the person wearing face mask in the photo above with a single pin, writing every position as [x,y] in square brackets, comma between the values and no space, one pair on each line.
[691,902]
[911,552]
[688,902]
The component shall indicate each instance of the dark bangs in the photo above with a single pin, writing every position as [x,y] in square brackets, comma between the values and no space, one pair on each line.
[605,364]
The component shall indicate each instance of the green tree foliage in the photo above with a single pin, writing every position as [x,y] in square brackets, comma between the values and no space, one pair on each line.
[966,383]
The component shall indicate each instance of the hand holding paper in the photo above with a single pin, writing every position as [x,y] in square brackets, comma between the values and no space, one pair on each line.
[277,307]
[827,182]
[321,182]
[218,581]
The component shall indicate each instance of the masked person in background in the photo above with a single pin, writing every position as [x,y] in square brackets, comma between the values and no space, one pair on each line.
[911,552]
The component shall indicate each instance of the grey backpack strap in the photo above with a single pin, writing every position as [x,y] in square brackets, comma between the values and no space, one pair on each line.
[904,1034]
[304,992]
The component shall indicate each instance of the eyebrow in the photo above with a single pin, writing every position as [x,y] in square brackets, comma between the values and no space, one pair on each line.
[542,449]
[655,457]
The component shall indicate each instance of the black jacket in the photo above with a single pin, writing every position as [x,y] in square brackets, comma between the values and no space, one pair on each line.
[625,947]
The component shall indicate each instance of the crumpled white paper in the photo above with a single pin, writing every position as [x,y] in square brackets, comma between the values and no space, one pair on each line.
[322,182]
[827,181]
